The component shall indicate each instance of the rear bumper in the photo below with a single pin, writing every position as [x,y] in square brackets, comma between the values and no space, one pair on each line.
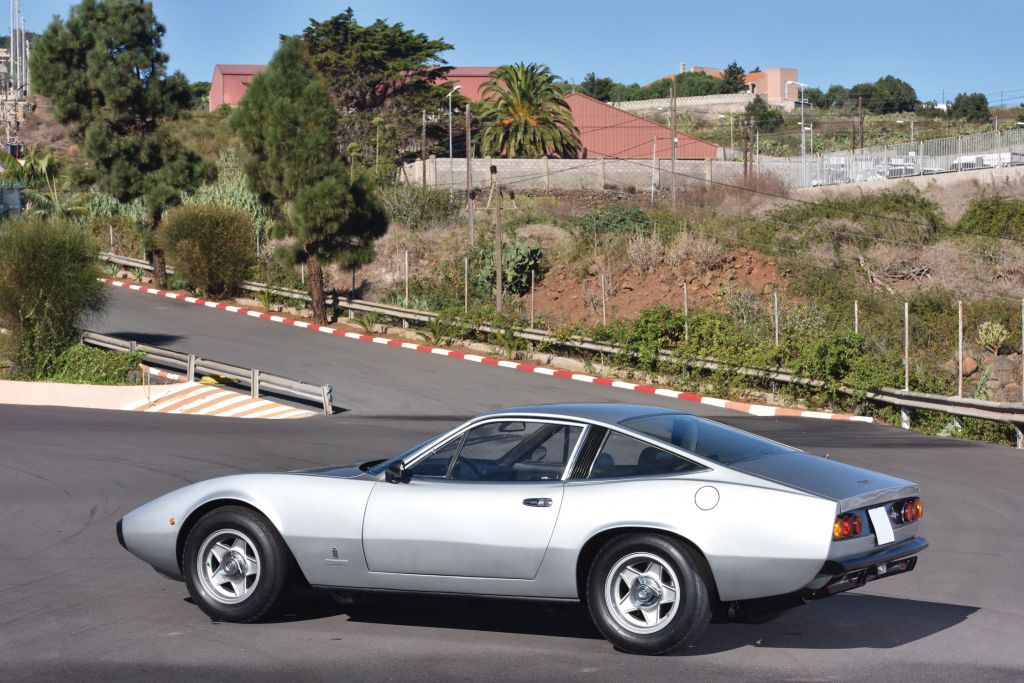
[838,576]
[847,573]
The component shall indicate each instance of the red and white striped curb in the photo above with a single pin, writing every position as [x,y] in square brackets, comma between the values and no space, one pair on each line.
[753,409]
[195,398]
[156,372]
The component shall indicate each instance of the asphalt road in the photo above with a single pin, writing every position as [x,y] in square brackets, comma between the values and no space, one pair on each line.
[73,604]
[368,379]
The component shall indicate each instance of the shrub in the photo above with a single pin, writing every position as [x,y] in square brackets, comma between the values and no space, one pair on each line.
[518,259]
[705,252]
[210,246]
[992,336]
[48,287]
[81,364]
[418,207]
[644,252]
[614,219]
[996,216]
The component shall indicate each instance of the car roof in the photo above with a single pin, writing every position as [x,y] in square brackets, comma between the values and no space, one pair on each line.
[607,413]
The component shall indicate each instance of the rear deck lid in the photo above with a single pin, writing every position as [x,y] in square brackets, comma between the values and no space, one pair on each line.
[852,487]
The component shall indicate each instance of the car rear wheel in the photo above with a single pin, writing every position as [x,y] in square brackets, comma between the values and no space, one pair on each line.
[647,594]
[236,566]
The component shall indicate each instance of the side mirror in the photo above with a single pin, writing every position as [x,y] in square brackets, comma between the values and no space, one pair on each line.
[395,473]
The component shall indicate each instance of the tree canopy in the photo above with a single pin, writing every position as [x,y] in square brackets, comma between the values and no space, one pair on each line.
[970,107]
[328,211]
[732,78]
[762,115]
[380,77]
[107,75]
[598,88]
[523,114]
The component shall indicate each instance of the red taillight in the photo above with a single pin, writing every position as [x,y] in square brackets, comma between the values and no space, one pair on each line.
[846,526]
[910,511]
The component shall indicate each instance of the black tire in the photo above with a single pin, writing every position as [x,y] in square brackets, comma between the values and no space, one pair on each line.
[263,591]
[682,623]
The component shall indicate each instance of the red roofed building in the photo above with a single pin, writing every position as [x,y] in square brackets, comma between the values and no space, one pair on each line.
[229,83]
[607,131]
[471,78]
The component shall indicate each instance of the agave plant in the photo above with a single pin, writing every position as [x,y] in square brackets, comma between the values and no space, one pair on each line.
[524,115]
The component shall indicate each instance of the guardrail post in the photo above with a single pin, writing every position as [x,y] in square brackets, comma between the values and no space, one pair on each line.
[190,372]
[254,383]
[132,345]
[328,397]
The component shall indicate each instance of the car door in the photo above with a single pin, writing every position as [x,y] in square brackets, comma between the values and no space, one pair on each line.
[483,504]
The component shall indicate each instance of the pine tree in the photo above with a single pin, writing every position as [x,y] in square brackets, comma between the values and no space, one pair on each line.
[107,75]
[328,211]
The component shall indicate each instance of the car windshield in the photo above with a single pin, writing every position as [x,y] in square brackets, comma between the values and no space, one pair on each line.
[383,465]
[707,439]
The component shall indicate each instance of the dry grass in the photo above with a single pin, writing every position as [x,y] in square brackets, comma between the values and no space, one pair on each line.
[706,253]
[645,252]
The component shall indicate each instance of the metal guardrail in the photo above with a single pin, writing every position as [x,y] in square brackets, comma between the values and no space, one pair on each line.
[193,366]
[1010,413]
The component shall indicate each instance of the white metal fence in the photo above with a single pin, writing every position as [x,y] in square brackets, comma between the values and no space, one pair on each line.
[941,155]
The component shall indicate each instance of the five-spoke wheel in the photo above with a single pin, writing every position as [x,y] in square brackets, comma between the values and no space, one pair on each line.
[648,594]
[236,566]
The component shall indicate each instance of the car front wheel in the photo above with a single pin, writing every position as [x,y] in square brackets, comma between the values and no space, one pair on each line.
[647,594]
[235,564]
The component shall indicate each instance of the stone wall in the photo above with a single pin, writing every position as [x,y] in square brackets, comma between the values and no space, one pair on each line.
[702,104]
[583,174]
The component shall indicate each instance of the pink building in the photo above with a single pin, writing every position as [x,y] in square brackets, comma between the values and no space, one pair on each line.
[229,83]
[770,82]
[471,78]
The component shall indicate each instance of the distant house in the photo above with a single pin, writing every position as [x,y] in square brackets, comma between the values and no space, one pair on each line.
[770,82]
[230,82]
[605,131]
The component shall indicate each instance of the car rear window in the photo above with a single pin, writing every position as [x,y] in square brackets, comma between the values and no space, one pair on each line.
[707,439]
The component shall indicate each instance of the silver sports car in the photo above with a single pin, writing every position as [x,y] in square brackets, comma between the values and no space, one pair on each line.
[656,519]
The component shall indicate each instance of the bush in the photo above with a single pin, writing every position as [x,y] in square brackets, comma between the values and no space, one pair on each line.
[210,246]
[418,207]
[996,216]
[48,287]
[518,259]
[81,364]
[992,336]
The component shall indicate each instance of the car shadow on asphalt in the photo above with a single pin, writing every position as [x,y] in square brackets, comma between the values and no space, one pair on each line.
[843,622]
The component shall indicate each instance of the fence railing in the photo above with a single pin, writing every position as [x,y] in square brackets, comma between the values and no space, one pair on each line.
[193,366]
[1009,413]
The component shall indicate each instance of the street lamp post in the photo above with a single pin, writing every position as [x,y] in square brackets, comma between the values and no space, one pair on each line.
[451,181]
[801,87]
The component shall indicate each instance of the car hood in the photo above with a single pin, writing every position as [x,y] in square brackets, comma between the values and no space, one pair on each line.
[339,471]
[852,487]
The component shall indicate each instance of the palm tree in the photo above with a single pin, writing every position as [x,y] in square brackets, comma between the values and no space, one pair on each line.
[45,189]
[524,114]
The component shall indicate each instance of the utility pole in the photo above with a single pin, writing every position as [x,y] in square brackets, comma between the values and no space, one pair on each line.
[499,284]
[423,147]
[860,114]
[470,194]
[675,139]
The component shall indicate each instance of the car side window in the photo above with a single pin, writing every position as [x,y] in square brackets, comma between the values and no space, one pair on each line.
[516,450]
[624,456]
[435,465]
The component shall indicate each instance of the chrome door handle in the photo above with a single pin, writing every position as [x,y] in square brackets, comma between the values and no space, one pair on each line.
[537,502]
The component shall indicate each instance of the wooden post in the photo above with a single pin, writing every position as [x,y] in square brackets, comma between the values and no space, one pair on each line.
[856,317]
[960,349]
[675,139]
[407,278]
[533,291]
[604,302]
[499,282]
[904,414]
[465,284]
[776,298]
[686,314]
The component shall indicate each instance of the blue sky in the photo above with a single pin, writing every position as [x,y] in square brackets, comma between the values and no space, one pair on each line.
[936,45]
